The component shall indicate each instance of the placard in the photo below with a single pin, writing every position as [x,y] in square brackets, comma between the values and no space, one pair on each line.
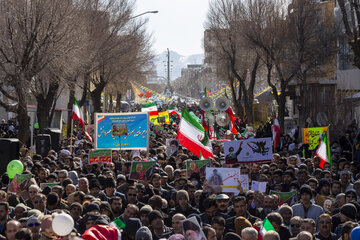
[192,229]
[136,125]
[225,179]
[164,117]
[311,136]
[198,166]
[248,151]
[141,170]
[103,156]
[19,183]
[258,186]
[172,147]
[50,185]
[284,196]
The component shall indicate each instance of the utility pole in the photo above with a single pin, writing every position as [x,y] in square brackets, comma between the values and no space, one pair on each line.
[168,89]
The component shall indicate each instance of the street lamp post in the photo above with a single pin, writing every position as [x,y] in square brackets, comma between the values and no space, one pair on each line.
[144,14]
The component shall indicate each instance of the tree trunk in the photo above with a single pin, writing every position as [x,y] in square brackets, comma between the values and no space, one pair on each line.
[118,102]
[69,106]
[44,105]
[281,110]
[111,105]
[96,97]
[304,108]
[24,122]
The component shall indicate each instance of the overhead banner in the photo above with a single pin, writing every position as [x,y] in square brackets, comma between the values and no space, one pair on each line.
[248,150]
[103,156]
[131,130]
[311,136]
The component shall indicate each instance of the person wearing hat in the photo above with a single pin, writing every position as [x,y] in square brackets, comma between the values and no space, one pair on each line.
[348,212]
[143,233]
[19,211]
[222,202]
[131,227]
[229,135]
[182,205]
[324,192]
[34,225]
[345,180]
[144,213]
[157,226]
[305,209]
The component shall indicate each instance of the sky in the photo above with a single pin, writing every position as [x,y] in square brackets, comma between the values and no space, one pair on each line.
[179,24]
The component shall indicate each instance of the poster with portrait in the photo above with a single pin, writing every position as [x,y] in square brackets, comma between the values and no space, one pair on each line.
[192,229]
[198,166]
[131,128]
[251,150]
[119,129]
[19,183]
[225,179]
[172,147]
[141,170]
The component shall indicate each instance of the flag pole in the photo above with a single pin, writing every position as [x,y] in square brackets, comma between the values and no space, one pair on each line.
[71,132]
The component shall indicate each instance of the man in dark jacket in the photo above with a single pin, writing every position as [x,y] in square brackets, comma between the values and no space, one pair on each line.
[183,206]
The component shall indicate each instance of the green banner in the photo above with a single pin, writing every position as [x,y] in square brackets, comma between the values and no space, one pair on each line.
[141,170]
[50,185]
[284,196]
[197,167]
[19,182]
[103,156]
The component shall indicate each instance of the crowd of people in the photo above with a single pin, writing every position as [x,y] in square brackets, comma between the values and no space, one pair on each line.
[102,197]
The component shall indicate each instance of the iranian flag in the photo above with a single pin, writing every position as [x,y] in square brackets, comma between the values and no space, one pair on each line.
[266,226]
[78,116]
[276,133]
[323,151]
[149,107]
[192,136]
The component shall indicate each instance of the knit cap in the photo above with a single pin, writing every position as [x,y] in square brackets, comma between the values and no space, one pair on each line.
[154,214]
[143,232]
[323,182]
[146,209]
[231,236]
[176,237]
[182,193]
[241,223]
[132,225]
[349,210]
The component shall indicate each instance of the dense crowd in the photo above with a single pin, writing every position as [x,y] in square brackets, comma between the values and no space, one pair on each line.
[100,196]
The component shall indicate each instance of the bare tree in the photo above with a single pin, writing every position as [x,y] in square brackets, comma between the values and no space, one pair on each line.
[239,62]
[350,10]
[294,45]
[32,38]
[118,44]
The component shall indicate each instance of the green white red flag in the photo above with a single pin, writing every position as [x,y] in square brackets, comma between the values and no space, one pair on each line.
[78,116]
[192,135]
[323,151]
[149,107]
[266,226]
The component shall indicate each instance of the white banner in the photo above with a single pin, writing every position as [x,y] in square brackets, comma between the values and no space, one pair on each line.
[248,151]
